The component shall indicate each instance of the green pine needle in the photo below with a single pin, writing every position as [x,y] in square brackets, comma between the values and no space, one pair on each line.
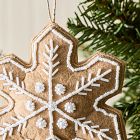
[113,26]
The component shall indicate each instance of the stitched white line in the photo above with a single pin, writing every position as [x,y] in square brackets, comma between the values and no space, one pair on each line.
[10,101]
[50,56]
[82,125]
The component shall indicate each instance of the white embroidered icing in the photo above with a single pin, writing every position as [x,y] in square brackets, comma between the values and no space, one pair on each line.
[39,87]
[10,103]
[19,121]
[60,89]
[70,107]
[86,125]
[30,105]
[51,70]
[62,123]
[21,126]
[41,123]
[77,139]
[53,138]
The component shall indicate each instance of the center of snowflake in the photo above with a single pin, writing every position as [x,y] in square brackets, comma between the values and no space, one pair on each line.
[52,106]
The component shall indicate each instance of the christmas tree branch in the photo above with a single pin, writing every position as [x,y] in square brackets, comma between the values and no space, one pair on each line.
[113,27]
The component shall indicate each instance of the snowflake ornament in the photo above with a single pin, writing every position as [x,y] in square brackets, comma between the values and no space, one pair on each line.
[62,123]
[41,123]
[39,87]
[79,112]
[60,89]
[30,105]
[70,107]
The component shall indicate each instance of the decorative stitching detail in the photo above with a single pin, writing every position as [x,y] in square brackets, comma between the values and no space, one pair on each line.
[9,128]
[30,105]
[60,89]
[85,126]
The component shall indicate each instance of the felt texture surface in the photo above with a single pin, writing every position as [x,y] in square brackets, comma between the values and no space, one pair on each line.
[84,104]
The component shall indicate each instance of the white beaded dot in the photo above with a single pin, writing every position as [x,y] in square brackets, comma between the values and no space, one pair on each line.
[41,123]
[30,105]
[60,89]
[70,107]
[39,87]
[62,123]
[117,21]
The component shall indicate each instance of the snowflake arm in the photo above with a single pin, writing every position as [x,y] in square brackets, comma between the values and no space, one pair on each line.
[22,121]
[15,86]
[50,69]
[85,87]
[10,100]
[85,126]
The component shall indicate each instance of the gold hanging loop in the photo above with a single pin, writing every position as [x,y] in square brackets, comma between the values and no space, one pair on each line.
[52,17]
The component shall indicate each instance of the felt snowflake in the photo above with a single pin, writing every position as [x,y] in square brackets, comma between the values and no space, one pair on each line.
[1,103]
[72,105]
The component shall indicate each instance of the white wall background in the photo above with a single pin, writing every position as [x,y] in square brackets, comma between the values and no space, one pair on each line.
[21,20]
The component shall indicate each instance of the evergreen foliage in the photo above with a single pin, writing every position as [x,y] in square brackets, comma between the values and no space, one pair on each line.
[113,26]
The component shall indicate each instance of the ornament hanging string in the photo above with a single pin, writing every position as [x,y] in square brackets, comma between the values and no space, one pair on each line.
[52,16]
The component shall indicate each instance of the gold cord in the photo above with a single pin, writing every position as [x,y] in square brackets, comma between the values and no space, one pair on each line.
[52,16]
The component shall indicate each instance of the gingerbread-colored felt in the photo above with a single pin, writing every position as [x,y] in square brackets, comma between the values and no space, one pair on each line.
[55,97]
